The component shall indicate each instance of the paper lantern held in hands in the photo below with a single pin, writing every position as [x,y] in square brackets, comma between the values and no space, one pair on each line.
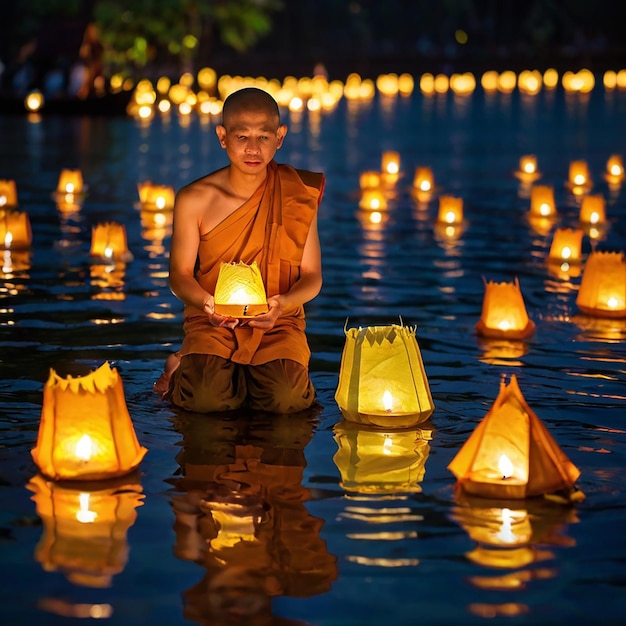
[86,432]
[511,454]
[240,291]
[504,312]
[382,381]
[602,289]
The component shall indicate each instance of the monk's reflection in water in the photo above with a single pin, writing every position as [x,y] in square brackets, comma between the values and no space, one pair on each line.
[240,513]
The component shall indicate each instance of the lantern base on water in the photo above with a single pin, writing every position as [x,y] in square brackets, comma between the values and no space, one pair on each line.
[497,333]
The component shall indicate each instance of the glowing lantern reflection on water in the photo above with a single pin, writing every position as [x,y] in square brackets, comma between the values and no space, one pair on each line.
[504,312]
[382,381]
[85,527]
[239,291]
[602,289]
[511,454]
[86,432]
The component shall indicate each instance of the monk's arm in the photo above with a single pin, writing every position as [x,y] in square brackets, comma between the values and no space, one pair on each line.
[184,250]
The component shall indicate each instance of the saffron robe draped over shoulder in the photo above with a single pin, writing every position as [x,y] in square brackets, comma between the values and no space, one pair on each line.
[271,228]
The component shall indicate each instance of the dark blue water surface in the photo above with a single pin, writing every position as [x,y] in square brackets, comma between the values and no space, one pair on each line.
[322,551]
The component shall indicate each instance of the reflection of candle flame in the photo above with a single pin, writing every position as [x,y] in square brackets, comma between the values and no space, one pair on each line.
[376,217]
[505,534]
[387,401]
[84,448]
[84,515]
[505,466]
[387,445]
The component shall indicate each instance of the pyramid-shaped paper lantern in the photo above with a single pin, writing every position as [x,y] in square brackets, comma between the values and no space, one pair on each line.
[240,291]
[423,179]
[382,381]
[108,242]
[602,289]
[593,210]
[381,461]
[504,312]
[542,202]
[70,182]
[86,432]
[85,528]
[579,178]
[155,197]
[511,454]
[566,246]
[450,210]
[614,174]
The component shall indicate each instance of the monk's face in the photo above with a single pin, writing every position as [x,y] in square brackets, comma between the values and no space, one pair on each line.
[251,139]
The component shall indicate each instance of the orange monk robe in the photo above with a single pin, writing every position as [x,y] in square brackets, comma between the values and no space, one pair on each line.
[271,228]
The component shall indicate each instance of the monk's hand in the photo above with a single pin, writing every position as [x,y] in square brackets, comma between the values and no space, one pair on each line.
[215,318]
[267,320]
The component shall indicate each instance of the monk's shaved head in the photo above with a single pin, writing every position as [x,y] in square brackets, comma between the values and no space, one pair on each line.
[250,99]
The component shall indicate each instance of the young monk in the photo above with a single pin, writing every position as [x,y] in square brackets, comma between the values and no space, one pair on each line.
[251,210]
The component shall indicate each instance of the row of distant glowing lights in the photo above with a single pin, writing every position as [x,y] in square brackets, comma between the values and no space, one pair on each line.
[603,291]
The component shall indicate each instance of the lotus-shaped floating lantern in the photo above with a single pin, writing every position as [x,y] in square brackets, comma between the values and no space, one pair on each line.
[85,528]
[382,380]
[450,210]
[8,194]
[614,174]
[602,289]
[504,313]
[528,172]
[86,432]
[239,291]
[372,460]
[542,203]
[15,230]
[70,182]
[154,197]
[566,246]
[511,454]
[108,242]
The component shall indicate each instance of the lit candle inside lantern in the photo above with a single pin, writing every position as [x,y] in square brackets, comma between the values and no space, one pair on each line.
[450,210]
[8,194]
[504,312]
[239,291]
[108,242]
[155,197]
[373,200]
[566,245]
[505,466]
[579,179]
[592,210]
[84,448]
[387,401]
[602,289]
[70,182]
[15,229]
[527,171]
[390,166]
[542,202]
[614,170]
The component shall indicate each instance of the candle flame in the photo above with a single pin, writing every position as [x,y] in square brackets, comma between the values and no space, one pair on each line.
[69,188]
[160,202]
[566,253]
[505,467]
[529,167]
[616,169]
[545,209]
[450,217]
[612,302]
[387,401]
[8,239]
[108,252]
[240,296]
[425,185]
[84,448]
[84,515]
[393,167]
[3,200]
[579,179]
[594,218]
[504,325]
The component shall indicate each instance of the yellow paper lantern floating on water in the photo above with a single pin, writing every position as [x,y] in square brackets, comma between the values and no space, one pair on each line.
[423,180]
[382,380]
[504,313]
[86,432]
[373,200]
[370,179]
[542,203]
[390,166]
[450,210]
[108,242]
[15,230]
[155,197]
[8,194]
[593,210]
[602,291]
[614,174]
[528,171]
[579,179]
[372,460]
[511,454]
[239,291]
[70,182]
[566,246]
[85,527]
